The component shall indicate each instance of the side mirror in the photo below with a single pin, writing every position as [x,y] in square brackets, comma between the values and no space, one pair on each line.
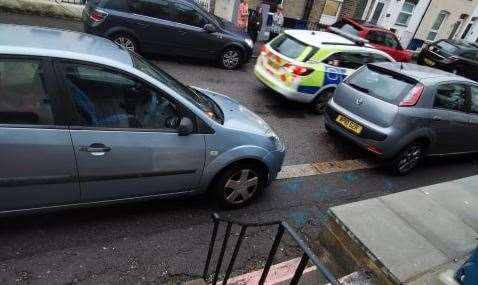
[210,28]
[186,127]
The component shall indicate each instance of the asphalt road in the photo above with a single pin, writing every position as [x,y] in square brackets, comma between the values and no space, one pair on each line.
[166,241]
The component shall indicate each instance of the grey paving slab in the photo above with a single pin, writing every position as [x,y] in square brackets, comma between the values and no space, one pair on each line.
[443,229]
[469,184]
[441,276]
[403,251]
[456,199]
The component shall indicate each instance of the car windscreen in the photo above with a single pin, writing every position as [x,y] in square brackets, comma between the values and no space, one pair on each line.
[290,47]
[382,85]
[447,47]
[346,28]
[203,102]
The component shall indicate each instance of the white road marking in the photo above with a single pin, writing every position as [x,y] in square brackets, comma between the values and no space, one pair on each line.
[311,169]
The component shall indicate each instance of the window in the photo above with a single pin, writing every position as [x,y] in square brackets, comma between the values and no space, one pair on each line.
[447,47]
[108,99]
[471,55]
[451,97]
[380,85]
[383,38]
[437,25]
[289,46]
[346,28]
[354,60]
[406,13]
[153,8]
[474,99]
[332,8]
[187,15]
[23,96]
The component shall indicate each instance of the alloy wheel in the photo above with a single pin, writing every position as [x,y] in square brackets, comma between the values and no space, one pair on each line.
[231,58]
[126,42]
[410,158]
[241,186]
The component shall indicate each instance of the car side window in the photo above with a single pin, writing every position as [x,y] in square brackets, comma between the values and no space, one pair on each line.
[152,8]
[474,99]
[108,99]
[391,41]
[23,93]
[376,38]
[187,15]
[451,97]
[354,60]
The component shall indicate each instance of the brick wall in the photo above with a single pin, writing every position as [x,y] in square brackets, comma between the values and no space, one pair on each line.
[348,8]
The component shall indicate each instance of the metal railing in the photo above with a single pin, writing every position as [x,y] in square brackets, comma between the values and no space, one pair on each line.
[283,227]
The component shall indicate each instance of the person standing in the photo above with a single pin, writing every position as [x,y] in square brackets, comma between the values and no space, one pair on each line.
[243,17]
[277,22]
[255,23]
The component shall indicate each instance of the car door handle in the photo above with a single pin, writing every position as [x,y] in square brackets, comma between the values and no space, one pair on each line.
[436,118]
[143,24]
[96,149]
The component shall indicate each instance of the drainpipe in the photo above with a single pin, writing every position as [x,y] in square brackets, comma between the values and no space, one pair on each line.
[308,7]
[421,20]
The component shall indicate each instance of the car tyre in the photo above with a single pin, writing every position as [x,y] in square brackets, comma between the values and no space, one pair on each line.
[320,102]
[238,185]
[126,40]
[408,159]
[231,58]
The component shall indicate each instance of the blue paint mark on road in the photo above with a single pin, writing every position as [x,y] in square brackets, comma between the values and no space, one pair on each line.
[292,186]
[388,185]
[326,191]
[299,218]
[349,176]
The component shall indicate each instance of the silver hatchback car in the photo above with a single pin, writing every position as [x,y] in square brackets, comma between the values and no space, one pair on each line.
[84,121]
[404,112]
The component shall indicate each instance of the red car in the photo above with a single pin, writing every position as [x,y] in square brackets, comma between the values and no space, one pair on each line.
[380,38]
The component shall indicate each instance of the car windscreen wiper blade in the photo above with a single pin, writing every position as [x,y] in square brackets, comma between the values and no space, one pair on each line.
[360,88]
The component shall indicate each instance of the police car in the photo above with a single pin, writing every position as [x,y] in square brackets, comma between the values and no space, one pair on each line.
[306,66]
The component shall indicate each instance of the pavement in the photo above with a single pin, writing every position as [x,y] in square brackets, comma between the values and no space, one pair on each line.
[433,229]
[166,241]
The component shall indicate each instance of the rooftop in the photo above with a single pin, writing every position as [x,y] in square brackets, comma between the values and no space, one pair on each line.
[31,40]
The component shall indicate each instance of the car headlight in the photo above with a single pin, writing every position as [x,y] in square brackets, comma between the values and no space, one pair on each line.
[274,138]
[250,43]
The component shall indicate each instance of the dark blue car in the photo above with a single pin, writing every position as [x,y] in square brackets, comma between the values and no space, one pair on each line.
[170,27]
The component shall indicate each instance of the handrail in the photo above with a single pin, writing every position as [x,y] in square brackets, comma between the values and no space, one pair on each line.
[283,227]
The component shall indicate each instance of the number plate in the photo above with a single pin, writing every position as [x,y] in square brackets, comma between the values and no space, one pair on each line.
[349,124]
[429,62]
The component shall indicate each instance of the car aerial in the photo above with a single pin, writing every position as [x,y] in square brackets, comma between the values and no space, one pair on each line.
[93,123]
[306,66]
[170,27]
[454,56]
[380,38]
[403,112]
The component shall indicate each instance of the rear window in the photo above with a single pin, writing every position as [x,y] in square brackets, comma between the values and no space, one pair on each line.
[290,47]
[346,28]
[117,5]
[447,47]
[386,87]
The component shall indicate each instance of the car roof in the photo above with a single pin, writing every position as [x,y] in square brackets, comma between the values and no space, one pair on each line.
[40,41]
[462,45]
[367,25]
[420,72]
[317,39]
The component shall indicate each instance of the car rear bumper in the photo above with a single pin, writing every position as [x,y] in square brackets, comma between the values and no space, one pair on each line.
[273,83]
[388,148]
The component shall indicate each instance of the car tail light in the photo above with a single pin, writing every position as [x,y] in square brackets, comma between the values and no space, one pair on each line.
[413,96]
[98,16]
[449,60]
[298,70]
[263,50]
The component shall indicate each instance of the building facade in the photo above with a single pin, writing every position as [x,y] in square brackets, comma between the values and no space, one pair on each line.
[446,19]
